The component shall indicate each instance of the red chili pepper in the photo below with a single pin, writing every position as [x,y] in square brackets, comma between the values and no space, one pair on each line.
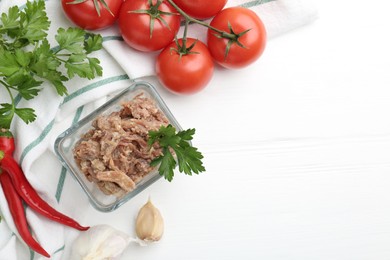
[7,143]
[16,208]
[30,196]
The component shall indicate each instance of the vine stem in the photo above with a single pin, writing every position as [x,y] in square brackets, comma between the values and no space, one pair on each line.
[193,20]
[184,39]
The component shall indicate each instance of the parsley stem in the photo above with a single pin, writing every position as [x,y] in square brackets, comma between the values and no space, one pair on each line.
[8,88]
[63,55]
[6,28]
[57,50]
[59,59]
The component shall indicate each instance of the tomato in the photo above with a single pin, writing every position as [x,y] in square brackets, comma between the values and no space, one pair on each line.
[85,15]
[135,27]
[187,74]
[201,9]
[253,41]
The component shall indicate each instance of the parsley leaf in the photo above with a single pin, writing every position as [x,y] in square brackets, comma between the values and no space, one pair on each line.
[188,157]
[77,44]
[8,63]
[26,114]
[167,164]
[44,60]
[71,39]
[95,67]
[10,22]
[7,112]
[27,59]
[28,89]
[34,22]
[93,43]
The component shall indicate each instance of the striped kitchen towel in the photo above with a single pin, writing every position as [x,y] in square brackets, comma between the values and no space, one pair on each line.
[55,114]
[278,16]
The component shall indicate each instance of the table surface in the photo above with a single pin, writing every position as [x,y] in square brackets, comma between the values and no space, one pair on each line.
[298,161]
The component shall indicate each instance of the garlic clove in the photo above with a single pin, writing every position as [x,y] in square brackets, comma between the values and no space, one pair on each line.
[149,223]
[100,242]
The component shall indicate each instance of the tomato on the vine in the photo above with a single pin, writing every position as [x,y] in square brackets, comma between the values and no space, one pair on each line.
[185,73]
[148,27]
[92,14]
[201,9]
[248,42]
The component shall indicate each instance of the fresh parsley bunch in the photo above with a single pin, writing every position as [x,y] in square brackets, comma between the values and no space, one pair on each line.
[27,59]
[188,157]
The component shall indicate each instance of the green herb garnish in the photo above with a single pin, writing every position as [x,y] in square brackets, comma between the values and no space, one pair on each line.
[27,59]
[188,157]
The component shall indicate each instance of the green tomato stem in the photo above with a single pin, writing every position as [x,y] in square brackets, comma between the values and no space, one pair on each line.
[184,43]
[154,9]
[193,20]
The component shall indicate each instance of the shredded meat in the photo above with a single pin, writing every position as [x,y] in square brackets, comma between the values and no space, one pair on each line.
[119,177]
[114,153]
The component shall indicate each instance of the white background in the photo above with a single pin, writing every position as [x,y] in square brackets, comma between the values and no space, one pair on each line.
[297,151]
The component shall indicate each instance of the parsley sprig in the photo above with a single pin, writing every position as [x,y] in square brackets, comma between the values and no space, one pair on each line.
[27,59]
[188,157]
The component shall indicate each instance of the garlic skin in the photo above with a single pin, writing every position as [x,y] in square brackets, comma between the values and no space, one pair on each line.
[101,242]
[149,224]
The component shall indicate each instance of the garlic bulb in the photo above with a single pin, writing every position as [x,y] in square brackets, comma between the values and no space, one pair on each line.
[100,242]
[149,223]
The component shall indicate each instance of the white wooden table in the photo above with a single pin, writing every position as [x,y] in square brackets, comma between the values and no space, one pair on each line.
[298,161]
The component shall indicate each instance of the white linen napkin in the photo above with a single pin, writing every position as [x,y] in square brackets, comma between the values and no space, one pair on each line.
[55,114]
